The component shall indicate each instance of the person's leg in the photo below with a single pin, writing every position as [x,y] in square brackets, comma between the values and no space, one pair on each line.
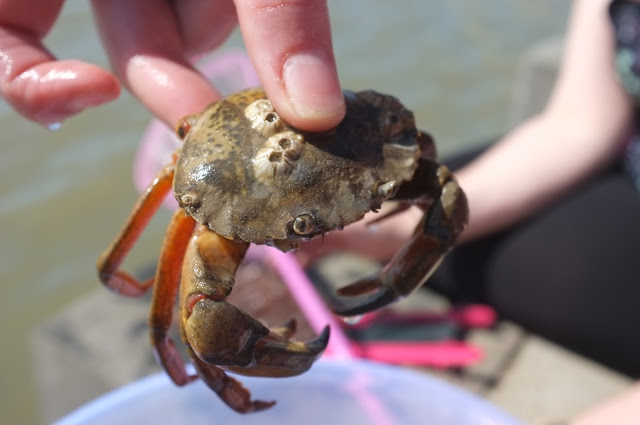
[573,273]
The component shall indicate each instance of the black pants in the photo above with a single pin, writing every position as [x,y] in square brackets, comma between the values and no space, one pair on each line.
[570,274]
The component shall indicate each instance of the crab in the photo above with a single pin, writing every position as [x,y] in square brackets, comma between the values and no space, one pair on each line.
[243,175]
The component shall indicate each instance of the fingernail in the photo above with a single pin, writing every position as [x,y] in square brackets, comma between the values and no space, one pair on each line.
[311,84]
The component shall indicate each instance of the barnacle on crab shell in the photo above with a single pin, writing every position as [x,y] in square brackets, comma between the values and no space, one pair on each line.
[264,119]
[278,156]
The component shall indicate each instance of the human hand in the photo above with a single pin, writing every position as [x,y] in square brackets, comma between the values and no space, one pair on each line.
[150,44]
[33,81]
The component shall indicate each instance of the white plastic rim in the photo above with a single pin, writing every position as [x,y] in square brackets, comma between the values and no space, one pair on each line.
[332,392]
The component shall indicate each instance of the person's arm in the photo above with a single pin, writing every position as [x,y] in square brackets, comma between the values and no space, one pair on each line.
[580,131]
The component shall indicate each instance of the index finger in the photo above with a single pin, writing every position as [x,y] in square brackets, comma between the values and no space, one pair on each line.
[290,45]
[146,50]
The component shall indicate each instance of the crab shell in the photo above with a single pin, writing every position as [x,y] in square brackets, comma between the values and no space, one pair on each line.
[247,175]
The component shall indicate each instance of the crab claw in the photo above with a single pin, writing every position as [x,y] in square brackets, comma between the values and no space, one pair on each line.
[287,330]
[276,355]
[221,337]
[222,334]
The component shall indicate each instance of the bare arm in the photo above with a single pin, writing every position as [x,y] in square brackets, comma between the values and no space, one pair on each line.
[580,131]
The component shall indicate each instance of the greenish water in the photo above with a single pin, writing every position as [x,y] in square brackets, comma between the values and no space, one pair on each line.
[64,194]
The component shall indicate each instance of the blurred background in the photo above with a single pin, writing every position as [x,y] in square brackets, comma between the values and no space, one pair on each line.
[64,193]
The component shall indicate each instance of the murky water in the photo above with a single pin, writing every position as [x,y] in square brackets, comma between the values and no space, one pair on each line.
[63,194]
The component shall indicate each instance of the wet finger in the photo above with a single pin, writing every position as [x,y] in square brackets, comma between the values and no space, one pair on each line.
[32,80]
[146,50]
[204,25]
[52,91]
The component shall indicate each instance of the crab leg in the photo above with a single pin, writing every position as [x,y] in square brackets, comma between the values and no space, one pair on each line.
[228,389]
[435,235]
[165,292]
[109,262]
[220,333]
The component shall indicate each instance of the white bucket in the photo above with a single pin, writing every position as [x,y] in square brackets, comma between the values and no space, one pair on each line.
[331,392]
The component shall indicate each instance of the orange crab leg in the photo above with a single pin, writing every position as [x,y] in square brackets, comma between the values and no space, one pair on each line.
[109,262]
[165,292]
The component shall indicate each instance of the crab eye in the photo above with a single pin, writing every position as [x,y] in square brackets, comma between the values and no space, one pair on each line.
[183,128]
[394,125]
[304,224]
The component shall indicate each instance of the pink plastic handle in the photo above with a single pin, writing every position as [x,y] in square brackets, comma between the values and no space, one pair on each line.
[439,354]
